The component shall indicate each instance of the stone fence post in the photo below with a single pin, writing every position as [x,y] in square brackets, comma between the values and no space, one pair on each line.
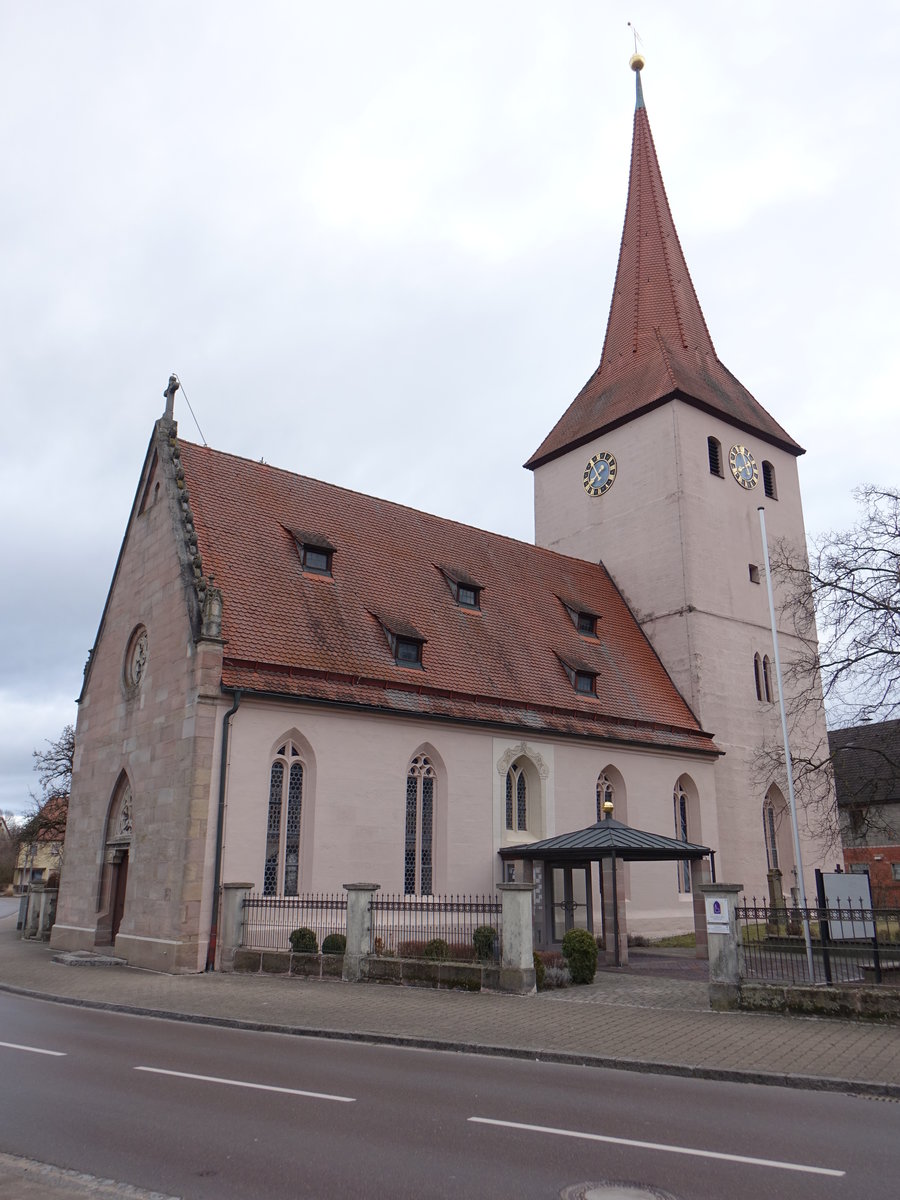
[517,955]
[359,928]
[726,960]
[231,922]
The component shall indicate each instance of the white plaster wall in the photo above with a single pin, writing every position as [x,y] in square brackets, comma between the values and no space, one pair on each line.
[679,542]
[354,800]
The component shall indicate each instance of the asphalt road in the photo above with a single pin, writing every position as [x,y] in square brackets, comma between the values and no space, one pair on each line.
[216,1114]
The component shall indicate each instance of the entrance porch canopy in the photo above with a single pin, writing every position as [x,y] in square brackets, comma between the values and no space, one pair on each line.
[607,839]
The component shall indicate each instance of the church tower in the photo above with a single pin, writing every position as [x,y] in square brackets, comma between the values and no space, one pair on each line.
[658,468]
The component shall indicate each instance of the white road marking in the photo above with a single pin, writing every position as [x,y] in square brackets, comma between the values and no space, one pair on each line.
[617,1141]
[260,1087]
[33,1049]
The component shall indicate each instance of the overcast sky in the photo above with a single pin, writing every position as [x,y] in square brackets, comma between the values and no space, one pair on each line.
[377,243]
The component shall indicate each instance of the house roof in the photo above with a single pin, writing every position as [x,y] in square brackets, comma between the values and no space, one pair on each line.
[326,638]
[607,839]
[657,346]
[866,762]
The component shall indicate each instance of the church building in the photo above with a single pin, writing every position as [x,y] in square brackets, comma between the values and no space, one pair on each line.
[298,686]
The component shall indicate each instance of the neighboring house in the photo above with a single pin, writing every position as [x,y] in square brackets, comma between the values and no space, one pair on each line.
[866,762]
[296,685]
[39,857]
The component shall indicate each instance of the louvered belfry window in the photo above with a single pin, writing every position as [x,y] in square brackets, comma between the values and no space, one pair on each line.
[418,846]
[282,865]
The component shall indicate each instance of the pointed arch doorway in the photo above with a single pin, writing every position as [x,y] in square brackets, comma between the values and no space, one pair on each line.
[114,876]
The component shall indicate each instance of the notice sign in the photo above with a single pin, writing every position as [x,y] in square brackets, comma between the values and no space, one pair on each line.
[717,912]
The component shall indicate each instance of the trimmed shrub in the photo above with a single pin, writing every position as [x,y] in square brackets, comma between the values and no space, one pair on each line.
[539,970]
[303,941]
[580,952]
[484,938]
[437,950]
[334,943]
[557,977]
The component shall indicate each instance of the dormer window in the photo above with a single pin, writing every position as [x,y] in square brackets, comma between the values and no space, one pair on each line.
[585,682]
[407,652]
[405,642]
[586,623]
[317,559]
[581,617]
[465,591]
[316,552]
[582,676]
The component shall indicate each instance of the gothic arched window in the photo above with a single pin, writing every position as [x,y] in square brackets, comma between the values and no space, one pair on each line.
[283,822]
[605,791]
[757,675]
[516,798]
[680,802]
[418,846]
[767,679]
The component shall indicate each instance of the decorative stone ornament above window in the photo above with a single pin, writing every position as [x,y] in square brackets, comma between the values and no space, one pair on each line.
[135,660]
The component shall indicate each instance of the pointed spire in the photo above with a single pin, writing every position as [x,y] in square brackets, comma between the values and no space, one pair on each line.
[657,345]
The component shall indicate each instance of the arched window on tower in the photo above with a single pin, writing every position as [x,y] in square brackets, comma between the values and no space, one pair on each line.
[758,676]
[282,863]
[516,798]
[680,804]
[418,844]
[605,791]
[767,680]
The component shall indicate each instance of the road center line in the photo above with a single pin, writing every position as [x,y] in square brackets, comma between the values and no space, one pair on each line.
[617,1141]
[260,1087]
[33,1049]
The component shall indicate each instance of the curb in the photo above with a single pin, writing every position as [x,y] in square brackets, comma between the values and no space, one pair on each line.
[813,1083]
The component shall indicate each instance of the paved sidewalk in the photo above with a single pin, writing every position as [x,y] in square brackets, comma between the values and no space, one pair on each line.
[629,1019]
[652,1018]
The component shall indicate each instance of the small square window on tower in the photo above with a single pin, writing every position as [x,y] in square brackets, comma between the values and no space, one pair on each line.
[754,573]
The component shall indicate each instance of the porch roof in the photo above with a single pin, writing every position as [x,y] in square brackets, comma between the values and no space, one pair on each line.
[608,838]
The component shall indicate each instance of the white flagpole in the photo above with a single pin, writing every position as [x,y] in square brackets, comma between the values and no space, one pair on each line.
[787,751]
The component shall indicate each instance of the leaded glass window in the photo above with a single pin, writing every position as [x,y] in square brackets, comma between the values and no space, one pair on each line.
[283,823]
[516,798]
[605,791]
[681,833]
[418,843]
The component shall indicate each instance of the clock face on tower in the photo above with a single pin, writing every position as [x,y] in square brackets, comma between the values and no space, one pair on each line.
[743,467]
[600,474]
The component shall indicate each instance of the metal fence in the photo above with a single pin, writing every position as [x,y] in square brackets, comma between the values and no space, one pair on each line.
[403,926]
[850,944]
[270,920]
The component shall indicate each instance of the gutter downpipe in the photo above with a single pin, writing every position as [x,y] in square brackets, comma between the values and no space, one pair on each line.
[220,821]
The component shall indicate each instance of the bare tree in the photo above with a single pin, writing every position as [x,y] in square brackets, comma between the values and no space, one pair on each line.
[46,819]
[843,604]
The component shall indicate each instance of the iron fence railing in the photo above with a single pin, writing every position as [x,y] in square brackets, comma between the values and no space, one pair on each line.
[850,943]
[269,920]
[403,926]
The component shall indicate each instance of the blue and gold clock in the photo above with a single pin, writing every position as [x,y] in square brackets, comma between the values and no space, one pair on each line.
[743,467]
[600,474]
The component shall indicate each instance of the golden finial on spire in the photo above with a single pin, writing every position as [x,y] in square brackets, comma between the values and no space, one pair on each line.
[636,62]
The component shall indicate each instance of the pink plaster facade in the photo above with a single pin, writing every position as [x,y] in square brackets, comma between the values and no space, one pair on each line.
[679,541]
[355,768]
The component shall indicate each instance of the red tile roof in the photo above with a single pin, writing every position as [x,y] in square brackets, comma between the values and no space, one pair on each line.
[315,637]
[657,346]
